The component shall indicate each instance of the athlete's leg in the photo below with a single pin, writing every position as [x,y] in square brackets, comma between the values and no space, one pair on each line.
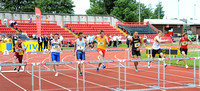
[101,57]
[135,63]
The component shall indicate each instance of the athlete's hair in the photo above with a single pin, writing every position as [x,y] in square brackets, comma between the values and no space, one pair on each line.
[159,31]
[101,31]
[184,34]
[19,38]
[55,34]
[135,32]
[80,33]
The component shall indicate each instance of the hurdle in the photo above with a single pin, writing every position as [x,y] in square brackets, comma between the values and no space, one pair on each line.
[22,64]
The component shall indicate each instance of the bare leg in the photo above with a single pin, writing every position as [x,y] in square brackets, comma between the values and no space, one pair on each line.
[101,58]
[14,61]
[79,66]
[135,63]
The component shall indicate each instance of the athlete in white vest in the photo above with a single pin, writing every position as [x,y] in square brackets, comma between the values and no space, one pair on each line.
[55,47]
[156,47]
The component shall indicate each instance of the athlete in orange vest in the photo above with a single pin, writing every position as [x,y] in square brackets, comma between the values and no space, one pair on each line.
[102,40]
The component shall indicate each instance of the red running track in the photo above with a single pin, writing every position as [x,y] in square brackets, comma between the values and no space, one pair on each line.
[103,80]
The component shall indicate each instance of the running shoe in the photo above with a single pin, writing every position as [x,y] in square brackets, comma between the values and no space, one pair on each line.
[148,64]
[136,70]
[56,74]
[104,66]
[18,70]
[137,63]
[81,74]
[97,69]
[186,66]
[165,65]
[15,68]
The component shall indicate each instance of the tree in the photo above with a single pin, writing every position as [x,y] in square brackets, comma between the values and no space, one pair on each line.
[104,7]
[159,13]
[46,6]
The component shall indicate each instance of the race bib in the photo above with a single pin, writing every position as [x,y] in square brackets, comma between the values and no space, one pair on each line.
[100,43]
[21,53]
[184,43]
[137,44]
[56,47]
[80,47]
[18,50]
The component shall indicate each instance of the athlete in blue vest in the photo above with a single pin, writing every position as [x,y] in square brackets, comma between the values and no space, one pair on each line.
[79,49]
[55,47]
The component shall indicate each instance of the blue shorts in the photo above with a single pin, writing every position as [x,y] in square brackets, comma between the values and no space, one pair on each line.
[55,56]
[80,55]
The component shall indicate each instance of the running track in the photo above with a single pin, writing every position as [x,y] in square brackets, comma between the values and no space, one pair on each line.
[95,81]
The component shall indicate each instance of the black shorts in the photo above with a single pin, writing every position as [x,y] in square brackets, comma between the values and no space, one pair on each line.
[137,53]
[185,50]
[154,52]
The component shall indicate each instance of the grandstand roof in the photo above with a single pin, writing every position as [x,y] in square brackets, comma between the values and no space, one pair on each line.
[164,21]
[193,22]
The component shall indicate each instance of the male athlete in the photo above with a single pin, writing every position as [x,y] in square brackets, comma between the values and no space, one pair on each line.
[156,47]
[102,40]
[79,49]
[55,47]
[183,47]
[19,52]
[136,43]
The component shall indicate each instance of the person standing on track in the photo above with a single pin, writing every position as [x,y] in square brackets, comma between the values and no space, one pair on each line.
[136,43]
[55,47]
[156,47]
[102,40]
[79,49]
[183,47]
[19,52]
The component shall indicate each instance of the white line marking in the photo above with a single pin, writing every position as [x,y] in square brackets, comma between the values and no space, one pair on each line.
[51,82]
[13,82]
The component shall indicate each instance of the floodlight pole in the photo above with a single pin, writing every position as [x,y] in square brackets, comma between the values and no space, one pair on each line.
[158,9]
[194,11]
[178,9]
[139,11]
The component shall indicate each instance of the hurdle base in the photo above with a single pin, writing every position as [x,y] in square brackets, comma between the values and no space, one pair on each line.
[155,87]
[190,85]
[117,89]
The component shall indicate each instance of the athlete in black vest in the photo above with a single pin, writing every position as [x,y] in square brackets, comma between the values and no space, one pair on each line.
[136,43]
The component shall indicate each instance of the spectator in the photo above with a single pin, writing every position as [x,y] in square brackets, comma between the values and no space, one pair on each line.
[25,34]
[119,39]
[50,38]
[7,39]
[5,21]
[61,38]
[14,39]
[30,20]
[127,39]
[3,38]
[92,42]
[47,20]
[145,39]
[40,40]
[88,39]
[110,40]
[0,38]
[115,39]
[34,36]
[45,42]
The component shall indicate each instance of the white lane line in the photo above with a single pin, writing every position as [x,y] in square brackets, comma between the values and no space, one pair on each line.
[13,82]
[51,82]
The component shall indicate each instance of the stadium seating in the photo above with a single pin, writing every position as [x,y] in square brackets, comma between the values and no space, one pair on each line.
[94,29]
[7,30]
[46,29]
[142,29]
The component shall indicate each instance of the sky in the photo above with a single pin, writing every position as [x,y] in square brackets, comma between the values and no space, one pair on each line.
[186,7]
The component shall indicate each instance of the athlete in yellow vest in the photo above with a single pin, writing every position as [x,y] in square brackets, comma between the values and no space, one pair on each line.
[102,40]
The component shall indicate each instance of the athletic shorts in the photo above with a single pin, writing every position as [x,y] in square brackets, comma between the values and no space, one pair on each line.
[154,52]
[19,57]
[80,55]
[102,50]
[55,56]
[135,52]
[185,50]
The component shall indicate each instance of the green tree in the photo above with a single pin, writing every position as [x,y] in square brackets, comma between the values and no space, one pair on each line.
[159,13]
[104,7]
[46,6]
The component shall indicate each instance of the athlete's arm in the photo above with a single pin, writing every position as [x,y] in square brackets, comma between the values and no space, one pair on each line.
[51,45]
[60,45]
[190,40]
[141,42]
[179,42]
[159,40]
[106,38]
[23,49]
[75,46]
[130,41]
[86,42]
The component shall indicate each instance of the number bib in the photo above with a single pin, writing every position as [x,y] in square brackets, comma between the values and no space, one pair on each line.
[184,43]
[20,52]
[137,44]
[80,47]
[100,43]
[56,47]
